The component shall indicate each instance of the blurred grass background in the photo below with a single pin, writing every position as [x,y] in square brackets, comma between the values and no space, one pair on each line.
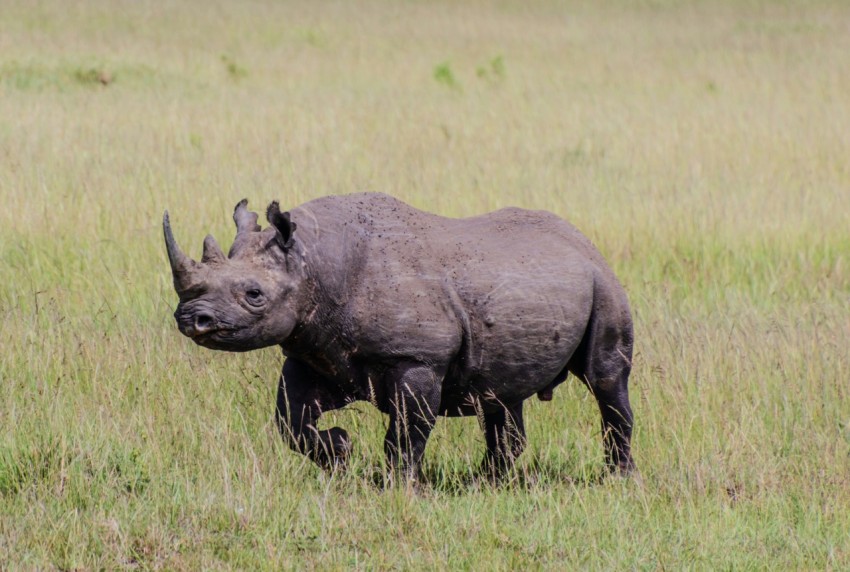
[701,145]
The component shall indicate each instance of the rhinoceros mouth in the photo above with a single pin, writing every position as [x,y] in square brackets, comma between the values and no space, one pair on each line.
[221,334]
[208,333]
[226,340]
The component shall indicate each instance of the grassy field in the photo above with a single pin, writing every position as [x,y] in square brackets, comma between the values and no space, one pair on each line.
[703,146]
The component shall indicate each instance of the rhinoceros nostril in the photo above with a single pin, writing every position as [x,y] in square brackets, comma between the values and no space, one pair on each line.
[203,323]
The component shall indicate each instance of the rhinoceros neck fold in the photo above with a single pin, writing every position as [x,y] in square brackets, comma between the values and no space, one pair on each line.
[322,330]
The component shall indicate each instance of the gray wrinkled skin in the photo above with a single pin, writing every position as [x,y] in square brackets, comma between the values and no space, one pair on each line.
[421,315]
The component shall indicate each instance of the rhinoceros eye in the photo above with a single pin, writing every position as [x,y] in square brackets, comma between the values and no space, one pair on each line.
[254,296]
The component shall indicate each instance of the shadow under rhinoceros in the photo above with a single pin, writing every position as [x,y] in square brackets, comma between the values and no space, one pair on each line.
[458,481]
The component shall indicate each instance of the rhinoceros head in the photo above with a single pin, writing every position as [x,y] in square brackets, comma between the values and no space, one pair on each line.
[246,300]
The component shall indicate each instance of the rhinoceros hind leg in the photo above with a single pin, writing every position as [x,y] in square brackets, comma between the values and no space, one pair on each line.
[603,363]
[617,421]
[504,432]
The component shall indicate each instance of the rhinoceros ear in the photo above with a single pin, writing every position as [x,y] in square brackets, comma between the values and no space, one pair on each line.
[245,220]
[283,224]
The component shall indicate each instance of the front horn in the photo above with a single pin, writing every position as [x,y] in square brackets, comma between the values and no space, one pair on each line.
[182,266]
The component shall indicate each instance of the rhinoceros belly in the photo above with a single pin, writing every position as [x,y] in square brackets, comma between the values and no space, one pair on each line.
[526,321]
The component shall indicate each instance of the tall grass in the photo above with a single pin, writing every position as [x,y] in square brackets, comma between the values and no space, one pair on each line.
[702,146]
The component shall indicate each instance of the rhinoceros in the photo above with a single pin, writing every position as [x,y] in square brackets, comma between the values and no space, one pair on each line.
[421,315]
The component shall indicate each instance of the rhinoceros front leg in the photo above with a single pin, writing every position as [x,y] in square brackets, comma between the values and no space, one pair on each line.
[413,392]
[302,396]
